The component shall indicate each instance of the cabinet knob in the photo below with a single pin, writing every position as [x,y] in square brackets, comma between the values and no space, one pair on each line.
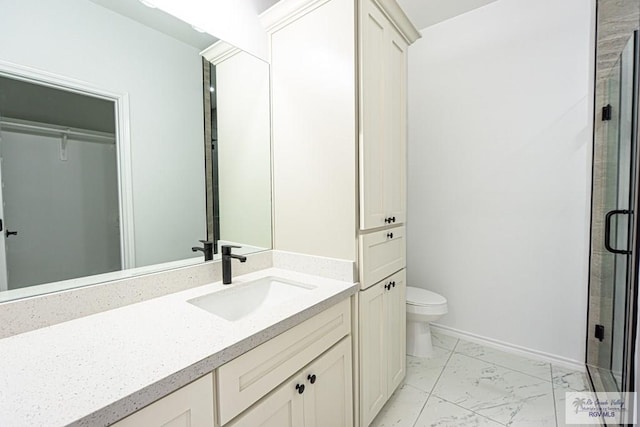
[390,235]
[393,219]
[312,378]
[387,220]
[300,388]
[393,284]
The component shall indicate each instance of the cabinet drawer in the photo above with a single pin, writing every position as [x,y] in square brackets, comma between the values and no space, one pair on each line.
[247,378]
[382,253]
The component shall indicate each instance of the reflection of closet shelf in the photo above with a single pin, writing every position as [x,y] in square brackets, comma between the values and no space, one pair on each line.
[26,126]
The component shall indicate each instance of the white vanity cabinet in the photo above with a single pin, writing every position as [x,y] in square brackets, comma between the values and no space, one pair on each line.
[319,395]
[250,377]
[190,406]
[382,325]
[383,119]
[301,377]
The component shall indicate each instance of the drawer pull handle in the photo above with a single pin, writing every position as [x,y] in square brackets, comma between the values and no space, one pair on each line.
[312,378]
[390,235]
[390,219]
[300,388]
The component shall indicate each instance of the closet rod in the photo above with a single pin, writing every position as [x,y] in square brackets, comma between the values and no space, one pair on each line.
[71,133]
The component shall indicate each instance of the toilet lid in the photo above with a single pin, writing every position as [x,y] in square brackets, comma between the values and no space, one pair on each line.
[423,297]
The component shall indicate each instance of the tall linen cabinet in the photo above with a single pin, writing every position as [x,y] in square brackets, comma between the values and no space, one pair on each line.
[339,99]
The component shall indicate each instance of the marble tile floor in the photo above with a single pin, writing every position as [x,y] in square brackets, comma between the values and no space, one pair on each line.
[467,384]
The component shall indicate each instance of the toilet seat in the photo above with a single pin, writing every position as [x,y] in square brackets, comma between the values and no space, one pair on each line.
[424,298]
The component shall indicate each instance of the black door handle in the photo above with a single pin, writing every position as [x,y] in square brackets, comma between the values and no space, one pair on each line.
[300,388]
[607,231]
[8,233]
[312,378]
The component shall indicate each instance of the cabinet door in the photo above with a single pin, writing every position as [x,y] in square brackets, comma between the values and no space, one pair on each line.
[383,119]
[281,408]
[190,406]
[372,116]
[396,333]
[395,157]
[328,399]
[373,354]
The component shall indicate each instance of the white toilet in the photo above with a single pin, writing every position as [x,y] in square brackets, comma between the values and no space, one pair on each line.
[423,307]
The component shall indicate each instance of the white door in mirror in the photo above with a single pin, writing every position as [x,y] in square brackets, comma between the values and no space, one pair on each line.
[3,255]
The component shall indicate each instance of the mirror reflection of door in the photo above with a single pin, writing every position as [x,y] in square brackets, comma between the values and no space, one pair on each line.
[60,197]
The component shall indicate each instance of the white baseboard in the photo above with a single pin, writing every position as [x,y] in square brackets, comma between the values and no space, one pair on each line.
[511,348]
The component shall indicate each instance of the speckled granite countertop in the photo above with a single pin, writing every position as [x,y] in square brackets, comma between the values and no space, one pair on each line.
[98,369]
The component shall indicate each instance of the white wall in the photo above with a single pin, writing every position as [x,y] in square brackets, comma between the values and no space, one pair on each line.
[499,171]
[163,78]
[313,128]
[65,212]
[244,150]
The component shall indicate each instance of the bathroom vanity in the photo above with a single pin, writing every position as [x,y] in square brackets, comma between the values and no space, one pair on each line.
[287,356]
[333,114]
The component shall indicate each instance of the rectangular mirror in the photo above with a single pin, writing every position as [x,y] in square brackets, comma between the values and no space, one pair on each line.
[122,148]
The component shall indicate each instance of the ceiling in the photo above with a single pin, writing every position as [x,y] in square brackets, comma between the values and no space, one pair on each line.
[425,13]
[262,5]
[159,21]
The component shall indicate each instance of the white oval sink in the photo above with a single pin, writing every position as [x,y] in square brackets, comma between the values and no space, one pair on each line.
[250,298]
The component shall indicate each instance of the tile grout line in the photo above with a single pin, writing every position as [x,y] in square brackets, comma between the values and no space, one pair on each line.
[504,367]
[439,376]
[472,411]
[511,369]
[436,381]
[553,393]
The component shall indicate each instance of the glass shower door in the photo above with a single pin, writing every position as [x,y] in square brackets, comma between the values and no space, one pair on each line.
[617,275]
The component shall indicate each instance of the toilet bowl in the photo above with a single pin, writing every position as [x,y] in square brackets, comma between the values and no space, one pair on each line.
[423,307]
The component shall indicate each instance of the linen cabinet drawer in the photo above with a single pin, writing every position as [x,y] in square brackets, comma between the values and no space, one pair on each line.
[382,253]
[247,378]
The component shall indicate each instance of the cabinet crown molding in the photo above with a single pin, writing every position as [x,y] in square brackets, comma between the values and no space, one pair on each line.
[286,11]
[219,52]
[394,12]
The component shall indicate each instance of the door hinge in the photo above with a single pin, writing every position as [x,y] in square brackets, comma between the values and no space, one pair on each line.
[600,332]
[606,113]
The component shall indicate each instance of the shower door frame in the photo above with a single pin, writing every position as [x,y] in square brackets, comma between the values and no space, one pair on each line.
[123,142]
[631,312]
[595,372]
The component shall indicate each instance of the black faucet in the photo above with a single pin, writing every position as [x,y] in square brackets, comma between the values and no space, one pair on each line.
[226,262]
[207,249]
